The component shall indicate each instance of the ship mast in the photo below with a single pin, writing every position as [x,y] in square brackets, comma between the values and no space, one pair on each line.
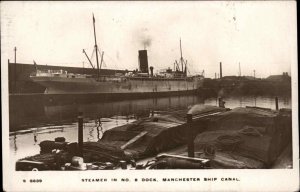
[96,47]
[181,59]
[184,72]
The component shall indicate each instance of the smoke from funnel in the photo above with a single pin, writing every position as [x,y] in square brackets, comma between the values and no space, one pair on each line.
[145,38]
[146,42]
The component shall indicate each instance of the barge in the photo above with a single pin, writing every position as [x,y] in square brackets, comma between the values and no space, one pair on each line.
[202,137]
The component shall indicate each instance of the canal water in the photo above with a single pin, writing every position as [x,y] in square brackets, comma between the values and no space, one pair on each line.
[33,120]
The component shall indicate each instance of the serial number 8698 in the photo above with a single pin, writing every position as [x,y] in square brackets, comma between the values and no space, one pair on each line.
[35,180]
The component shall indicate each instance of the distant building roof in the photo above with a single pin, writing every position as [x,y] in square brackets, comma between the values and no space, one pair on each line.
[249,77]
[230,77]
[238,78]
[283,77]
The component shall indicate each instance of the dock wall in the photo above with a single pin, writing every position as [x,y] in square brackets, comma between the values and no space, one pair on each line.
[240,86]
[19,81]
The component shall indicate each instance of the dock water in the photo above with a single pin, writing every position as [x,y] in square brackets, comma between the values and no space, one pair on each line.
[248,137]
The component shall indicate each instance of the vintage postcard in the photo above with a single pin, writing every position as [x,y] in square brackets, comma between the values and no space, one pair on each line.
[149,96]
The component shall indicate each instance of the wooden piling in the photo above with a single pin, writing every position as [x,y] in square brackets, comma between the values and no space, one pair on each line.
[221,102]
[190,139]
[80,134]
[276,103]
[123,164]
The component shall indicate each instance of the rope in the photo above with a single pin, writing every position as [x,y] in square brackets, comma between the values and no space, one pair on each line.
[113,61]
[92,56]
[155,165]
[209,150]
[250,131]
[228,142]
[45,158]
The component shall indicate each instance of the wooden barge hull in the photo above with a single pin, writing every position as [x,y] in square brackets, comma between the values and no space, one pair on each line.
[241,138]
[149,136]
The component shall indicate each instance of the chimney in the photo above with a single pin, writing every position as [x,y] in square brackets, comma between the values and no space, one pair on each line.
[220,70]
[151,71]
[143,61]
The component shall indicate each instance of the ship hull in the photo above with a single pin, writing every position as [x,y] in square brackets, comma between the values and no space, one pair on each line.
[126,87]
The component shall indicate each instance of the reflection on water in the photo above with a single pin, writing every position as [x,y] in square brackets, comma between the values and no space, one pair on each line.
[31,125]
[25,143]
[33,112]
[242,101]
[15,143]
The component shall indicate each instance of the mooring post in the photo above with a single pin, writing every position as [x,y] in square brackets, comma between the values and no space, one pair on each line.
[190,139]
[123,164]
[276,103]
[221,104]
[80,134]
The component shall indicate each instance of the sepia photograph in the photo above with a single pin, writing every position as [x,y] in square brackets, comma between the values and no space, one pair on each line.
[149,96]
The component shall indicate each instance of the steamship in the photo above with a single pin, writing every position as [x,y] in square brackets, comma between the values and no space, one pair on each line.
[142,81]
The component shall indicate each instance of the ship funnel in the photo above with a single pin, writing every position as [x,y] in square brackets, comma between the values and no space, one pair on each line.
[151,71]
[143,61]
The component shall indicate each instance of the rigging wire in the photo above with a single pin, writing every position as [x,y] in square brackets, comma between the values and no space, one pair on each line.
[112,60]
[93,54]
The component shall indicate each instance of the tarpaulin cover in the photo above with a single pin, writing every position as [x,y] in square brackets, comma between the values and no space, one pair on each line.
[162,132]
[263,133]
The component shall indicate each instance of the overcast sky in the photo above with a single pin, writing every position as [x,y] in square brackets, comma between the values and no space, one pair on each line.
[259,35]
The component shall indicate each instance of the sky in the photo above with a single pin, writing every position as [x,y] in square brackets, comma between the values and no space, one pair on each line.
[261,36]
